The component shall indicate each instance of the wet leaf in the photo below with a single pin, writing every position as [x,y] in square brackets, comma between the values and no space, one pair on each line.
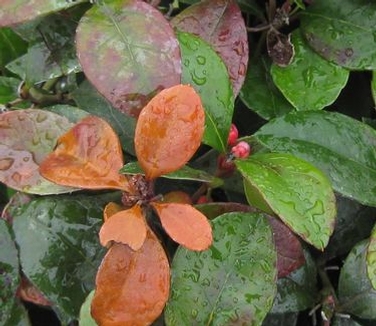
[132,287]
[259,92]
[185,225]
[343,149]
[85,315]
[220,23]
[72,113]
[127,227]
[299,193]
[355,292]
[26,137]
[87,156]
[59,248]
[217,286]
[342,31]
[129,52]
[169,130]
[206,72]
[11,46]
[322,81]
[8,89]
[371,258]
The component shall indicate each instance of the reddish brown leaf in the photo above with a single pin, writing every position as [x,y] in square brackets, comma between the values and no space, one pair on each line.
[126,226]
[28,292]
[110,209]
[220,23]
[87,156]
[185,225]
[169,130]
[132,287]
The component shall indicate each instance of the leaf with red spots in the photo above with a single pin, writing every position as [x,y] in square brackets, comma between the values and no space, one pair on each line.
[87,156]
[126,226]
[129,52]
[220,23]
[185,225]
[132,287]
[169,130]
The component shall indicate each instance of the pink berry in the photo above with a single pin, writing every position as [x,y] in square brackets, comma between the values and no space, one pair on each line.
[241,150]
[233,135]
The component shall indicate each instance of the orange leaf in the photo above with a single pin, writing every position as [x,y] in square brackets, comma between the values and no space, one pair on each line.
[132,287]
[169,130]
[110,209]
[185,225]
[88,156]
[127,227]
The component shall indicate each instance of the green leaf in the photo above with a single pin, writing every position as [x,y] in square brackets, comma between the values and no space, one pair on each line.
[355,292]
[72,113]
[321,80]
[18,316]
[299,193]
[259,92]
[343,148]
[373,86]
[217,286]
[11,46]
[59,247]
[289,318]
[206,72]
[8,89]
[342,31]
[371,258]
[85,315]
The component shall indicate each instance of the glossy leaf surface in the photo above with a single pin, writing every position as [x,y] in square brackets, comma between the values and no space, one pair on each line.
[26,137]
[220,23]
[206,72]
[132,287]
[87,156]
[169,130]
[342,148]
[342,32]
[11,46]
[127,227]
[185,225]
[321,80]
[217,286]
[371,258]
[299,193]
[129,52]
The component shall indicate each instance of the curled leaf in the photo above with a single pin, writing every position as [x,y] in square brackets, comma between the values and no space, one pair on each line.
[169,130]
[126,226]
[185,225]
[87,156]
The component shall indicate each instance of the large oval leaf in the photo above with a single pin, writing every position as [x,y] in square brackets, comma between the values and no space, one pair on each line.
[371,258]
[87,156]
[129,52]
[206,72]
[26,137]
[218,286]
[299,193]
[321,80]
[185,225]
[220,23]
[132,286]
[342,31]
[338,145]
[169,130]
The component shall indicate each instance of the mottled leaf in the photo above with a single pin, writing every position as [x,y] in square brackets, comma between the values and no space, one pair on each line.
[129,52]
[132,287]
[220,23]
[87,156]
[371,258]
[340,146]
[85,315]
[26,137]
[169,130]
[18,317]
[217,286]
[185,225]
[299,193]
[342,31]
[321,80]
[206,72]
[11,46]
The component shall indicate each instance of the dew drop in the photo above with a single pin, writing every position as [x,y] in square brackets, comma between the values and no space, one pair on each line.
[235,300]
[201,60]
[223,35]
[16,177]
[6,163]
[194,313]
[41,117]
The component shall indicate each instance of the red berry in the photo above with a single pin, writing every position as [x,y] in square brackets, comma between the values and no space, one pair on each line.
[202,200]
[233,135]
[241,150]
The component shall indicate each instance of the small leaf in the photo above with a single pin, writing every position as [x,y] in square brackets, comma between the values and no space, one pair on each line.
[371,258]
[169,130]
[185,225]
[127,227]
[87,156]
[129,52]
[132,287]
[322,81]
[296,191]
